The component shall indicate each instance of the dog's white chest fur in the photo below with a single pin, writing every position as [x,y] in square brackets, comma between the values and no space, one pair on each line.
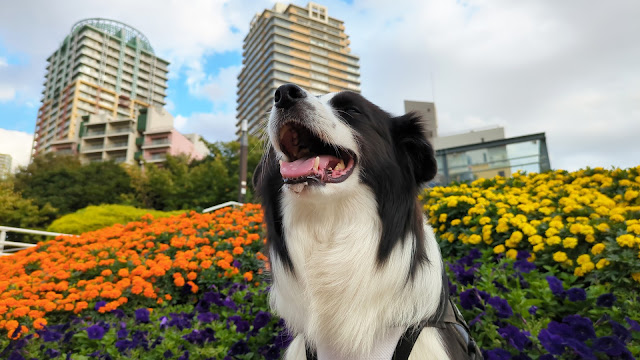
[339,297]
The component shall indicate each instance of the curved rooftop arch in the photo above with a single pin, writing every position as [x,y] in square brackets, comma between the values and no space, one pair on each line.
[115,28]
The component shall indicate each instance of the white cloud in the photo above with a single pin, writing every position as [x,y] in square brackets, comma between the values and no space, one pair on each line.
[179,122]
[219,89]
[18,145]
[6,93]
[217,126]
[3,62]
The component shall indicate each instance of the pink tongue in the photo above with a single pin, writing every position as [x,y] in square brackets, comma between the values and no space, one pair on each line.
[304,167]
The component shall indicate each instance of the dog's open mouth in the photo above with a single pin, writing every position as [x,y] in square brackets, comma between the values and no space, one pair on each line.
[311,160]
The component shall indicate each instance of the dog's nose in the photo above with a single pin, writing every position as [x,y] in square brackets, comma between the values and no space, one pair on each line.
[287,95]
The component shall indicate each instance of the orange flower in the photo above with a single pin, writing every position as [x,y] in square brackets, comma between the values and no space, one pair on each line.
[238,250]
[179,281]
[192,275]
[39,323]
[248,276]
[106,272]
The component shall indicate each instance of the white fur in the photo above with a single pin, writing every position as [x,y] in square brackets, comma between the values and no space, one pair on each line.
[339,299]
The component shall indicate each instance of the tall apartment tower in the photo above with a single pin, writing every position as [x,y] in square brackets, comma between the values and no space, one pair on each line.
[103,67]
[293,44]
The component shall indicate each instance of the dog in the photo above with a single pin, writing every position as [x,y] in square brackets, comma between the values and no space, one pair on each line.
[356,269]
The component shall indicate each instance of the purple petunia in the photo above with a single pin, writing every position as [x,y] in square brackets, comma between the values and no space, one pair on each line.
[556,287]
[610,345]
[498,354]
[239,348]
[581,327]
[501,306]
[261,320]
[553,343]
[606,300]
[533,309]
[95,332]
[471,298]
[635,326]
[142,315]
[576,294]
[515,337]
[242,326]
[207,317]
[620,331]
[99,304]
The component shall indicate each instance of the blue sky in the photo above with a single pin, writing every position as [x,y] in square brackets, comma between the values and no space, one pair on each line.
[529,66]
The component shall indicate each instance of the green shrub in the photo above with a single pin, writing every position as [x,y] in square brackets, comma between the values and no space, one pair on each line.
[98,217]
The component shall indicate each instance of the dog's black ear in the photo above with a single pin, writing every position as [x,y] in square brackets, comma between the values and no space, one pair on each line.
[409,134]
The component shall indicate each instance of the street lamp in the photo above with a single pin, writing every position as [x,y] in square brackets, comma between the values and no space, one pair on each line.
[244,150]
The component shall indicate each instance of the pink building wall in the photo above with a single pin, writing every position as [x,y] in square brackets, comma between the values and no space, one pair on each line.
[182,145]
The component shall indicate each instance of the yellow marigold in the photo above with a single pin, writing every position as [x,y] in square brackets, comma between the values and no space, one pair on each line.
[602,263]
[553,240]
[634,228]
[499,249]
[560,256]
[466,220]
[569,243]
[617,218]
[588,266]
[575,228]
[538,247]
[584,258]
[636,277]
[630,195]
[474,239]
[442,218]
[590,238]
[535,240]
[512,254]
[551,232]
[597,248]
[502,227]
[485,220]
[578,271]
[452,202]
[455,222]
[626,240]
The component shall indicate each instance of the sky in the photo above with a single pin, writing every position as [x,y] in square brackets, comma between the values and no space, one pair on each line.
[568,68]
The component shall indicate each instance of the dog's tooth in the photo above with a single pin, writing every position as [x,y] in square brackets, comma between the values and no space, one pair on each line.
[340,165]
[316,163]
[281,163]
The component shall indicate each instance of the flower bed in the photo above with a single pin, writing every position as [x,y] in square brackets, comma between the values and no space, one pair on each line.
[543,266]
[184,287]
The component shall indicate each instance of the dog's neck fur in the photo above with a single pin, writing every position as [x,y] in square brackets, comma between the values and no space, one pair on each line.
[338,296]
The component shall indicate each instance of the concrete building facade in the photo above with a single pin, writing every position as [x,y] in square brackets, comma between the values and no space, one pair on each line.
[427,110]
[5,165]
[102,67]
[149,137]
[292,44]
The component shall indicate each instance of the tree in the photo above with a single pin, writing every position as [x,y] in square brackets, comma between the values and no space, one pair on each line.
[16,211]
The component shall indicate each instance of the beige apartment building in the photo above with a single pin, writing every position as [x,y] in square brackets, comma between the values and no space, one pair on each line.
[293,44]
[103,67]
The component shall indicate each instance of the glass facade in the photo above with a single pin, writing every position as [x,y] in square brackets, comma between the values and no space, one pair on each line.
[486,160]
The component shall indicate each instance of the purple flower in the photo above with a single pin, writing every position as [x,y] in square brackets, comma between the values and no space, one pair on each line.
[95,332]
[200,337]
[581,327]
[620,331]
[498,354]
[261,320]
[579,348]
[242,326]
[635,326]
[122,334]
[500,287]
[468,260]
[533,309]
[49,335]
[560,329]
[547,357]
[606,300]
[577,294]
[15,355]
[228,302]
[168,354]
[185,355]
[477,319]
[553,343]
[142,315]
[610,345]
[464,277]
[99,304]
[501,306]
[555,285]
[207,317]
[524,266]
[52,353]
[470,298]
[239,348]
[517,339]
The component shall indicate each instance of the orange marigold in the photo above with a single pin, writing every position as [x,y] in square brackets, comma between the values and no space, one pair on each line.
[39,323]
[238,250]
[179,281]
[248,276]
[192,275]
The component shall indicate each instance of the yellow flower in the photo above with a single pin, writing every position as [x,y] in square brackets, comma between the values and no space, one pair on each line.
[538,247]
[636,277]
[512,254]
[602,263]
[569,243]
[630,195]
[485,220]
[626,240]
[502,227]
[455,222]
[474,239]
[551,232]
[597,248]
[442,218]
[554,240]
[585,258]
[587,267]
[560,256]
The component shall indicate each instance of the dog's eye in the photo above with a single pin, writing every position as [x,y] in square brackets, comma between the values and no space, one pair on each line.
[352,110]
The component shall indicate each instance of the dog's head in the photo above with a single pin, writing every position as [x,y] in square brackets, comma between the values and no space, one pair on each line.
[326,146]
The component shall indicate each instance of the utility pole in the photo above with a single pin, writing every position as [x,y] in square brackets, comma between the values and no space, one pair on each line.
[244,150]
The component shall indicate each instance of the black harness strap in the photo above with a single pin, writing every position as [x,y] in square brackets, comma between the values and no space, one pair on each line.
[451,316]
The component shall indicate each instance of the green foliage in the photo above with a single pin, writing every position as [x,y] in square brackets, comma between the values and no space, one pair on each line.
[68,186]
[98,217]
[17,211]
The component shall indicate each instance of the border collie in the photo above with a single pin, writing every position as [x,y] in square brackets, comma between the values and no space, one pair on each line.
[357,272]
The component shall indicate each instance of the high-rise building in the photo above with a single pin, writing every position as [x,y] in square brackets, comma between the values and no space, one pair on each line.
[427,110]
[102,67]
[293,44]
[5,166]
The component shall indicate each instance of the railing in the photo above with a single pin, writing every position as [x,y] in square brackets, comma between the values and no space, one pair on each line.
[18,245]
[220,206]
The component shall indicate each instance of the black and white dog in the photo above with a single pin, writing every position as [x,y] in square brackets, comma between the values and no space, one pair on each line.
[357,272]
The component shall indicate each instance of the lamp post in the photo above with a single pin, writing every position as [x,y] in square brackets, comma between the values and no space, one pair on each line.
[244,150]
